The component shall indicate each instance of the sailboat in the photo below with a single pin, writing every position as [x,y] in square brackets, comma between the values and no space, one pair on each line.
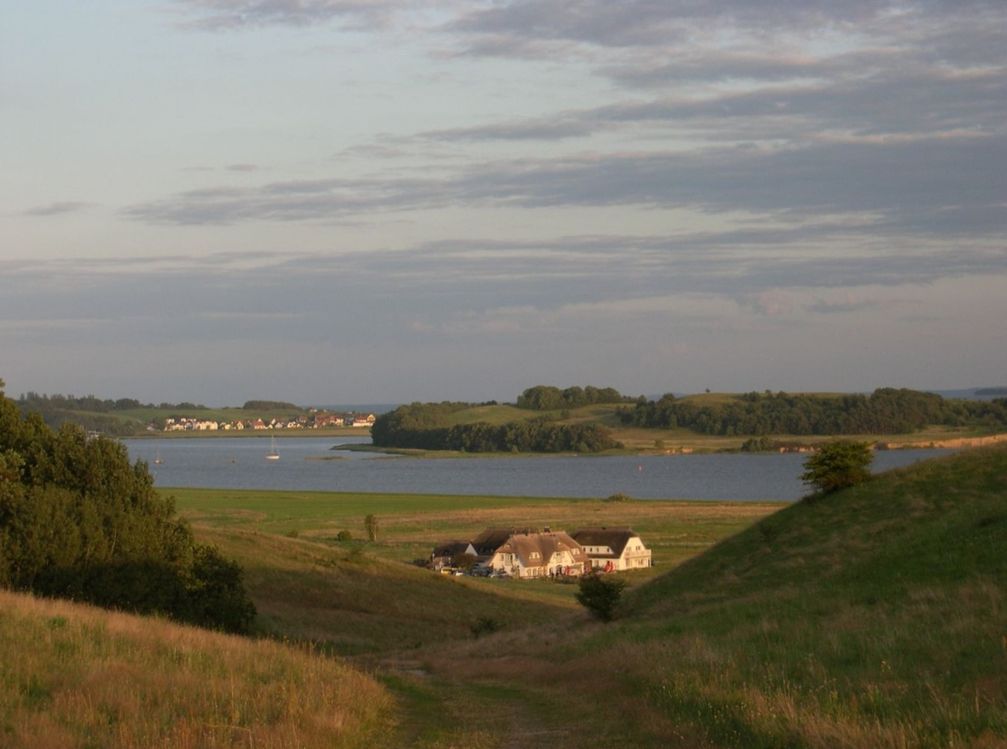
[157,458]
[272,454]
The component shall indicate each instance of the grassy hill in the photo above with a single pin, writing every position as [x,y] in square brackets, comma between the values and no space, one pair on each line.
[875,617]
[76,676]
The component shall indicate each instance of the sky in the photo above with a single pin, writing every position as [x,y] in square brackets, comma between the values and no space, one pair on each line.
[339,201]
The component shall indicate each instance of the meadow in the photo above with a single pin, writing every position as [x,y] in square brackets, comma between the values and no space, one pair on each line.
[873,617]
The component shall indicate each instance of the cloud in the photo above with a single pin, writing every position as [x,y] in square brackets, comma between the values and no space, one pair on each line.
[659,24]
[216,15]
[493,306]
[653,23]
[915,100]
[57,209]
[945,185]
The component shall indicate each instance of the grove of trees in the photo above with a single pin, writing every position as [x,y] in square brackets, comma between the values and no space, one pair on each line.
[78,521]
[549,398]
[885,411]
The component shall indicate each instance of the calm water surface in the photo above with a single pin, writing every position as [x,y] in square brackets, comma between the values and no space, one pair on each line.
[308,464]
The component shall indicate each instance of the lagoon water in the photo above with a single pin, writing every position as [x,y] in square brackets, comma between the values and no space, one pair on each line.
[308,463]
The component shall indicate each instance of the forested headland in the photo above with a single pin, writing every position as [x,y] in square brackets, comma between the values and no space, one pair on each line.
[421,426]
[78,521]
[589,419]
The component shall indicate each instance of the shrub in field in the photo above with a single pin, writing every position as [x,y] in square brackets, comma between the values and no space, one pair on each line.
[371,527]
[600,595]
[484,625]
[837,465]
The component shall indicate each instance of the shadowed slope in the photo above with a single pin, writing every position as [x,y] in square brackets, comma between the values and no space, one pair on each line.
[354,603]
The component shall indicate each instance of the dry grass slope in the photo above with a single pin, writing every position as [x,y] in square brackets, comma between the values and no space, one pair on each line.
[76,677]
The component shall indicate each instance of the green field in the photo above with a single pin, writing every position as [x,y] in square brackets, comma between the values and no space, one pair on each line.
[875,617]
[410,525]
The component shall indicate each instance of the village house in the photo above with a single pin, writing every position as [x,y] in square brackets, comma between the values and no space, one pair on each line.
[327,420]
[613,549]
[491,539]
[445,554]
[317,421]
[528,554]
[539,555]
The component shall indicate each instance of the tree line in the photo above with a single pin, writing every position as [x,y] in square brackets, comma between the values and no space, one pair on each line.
[421,426]
[90,412]
[885,411]
[78,521]
[42,401]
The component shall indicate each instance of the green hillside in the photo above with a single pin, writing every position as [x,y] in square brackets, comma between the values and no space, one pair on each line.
[873,617]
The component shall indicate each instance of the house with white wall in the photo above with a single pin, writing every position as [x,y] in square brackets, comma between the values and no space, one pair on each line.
[539,555]
[613,549]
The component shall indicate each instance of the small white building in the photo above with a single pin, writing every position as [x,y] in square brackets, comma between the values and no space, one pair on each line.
[614,549]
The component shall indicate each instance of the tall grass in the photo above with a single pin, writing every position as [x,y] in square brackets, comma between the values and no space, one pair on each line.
[74,676]
[875,617]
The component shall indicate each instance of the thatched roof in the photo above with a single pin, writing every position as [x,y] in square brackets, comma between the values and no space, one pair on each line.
[537,549]
[614,538]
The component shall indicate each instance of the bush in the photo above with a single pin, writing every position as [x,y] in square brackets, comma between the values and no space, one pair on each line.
[838,465]
[344,536]
[485,625]
[371,527]
[600,595]
[618,497]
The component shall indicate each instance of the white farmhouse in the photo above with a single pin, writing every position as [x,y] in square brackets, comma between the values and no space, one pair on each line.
[613,549]
[539,555]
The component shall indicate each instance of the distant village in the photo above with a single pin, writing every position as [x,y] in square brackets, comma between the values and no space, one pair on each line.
[311,420]
[500,552]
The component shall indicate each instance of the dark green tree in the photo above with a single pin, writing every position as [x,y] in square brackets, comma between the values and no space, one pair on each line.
[371,527]
[837,465]
[78,521]
[600,595]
